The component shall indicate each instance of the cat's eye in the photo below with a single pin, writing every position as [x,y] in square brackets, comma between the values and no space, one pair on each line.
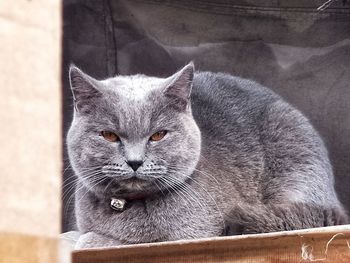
[158,136]
[110,136]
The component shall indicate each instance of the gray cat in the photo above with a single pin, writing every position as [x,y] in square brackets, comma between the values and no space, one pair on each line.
[194,155]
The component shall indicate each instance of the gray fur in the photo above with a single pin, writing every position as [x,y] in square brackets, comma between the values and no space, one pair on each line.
[237,159]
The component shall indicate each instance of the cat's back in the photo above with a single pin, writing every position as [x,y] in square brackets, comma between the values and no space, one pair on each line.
[227,89]
[233,110]
[226,105]
[253,131]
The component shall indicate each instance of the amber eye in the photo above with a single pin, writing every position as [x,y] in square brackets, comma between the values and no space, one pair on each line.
[110,136]
[158,136]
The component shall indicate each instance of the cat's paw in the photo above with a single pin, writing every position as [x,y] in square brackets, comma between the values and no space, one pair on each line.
[335,216]
[93,240]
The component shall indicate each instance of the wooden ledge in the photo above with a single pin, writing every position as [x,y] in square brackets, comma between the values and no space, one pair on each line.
[328,244]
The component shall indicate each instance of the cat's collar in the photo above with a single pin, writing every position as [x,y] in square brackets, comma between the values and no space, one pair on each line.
[119,203]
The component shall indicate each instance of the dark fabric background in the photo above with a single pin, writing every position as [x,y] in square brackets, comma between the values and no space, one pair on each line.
[289,46]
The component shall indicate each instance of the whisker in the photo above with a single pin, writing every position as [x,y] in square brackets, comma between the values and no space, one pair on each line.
[97,182]
[70,192]
[190,192]
[160,189]
[211,197]
[86,176]
[180,194]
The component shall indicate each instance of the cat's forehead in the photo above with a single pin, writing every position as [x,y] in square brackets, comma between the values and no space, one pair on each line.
[135,87]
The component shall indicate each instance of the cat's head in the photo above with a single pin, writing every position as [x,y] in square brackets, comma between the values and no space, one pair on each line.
[133,134]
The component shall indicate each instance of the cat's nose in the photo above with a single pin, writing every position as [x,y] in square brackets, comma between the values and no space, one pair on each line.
[135,164]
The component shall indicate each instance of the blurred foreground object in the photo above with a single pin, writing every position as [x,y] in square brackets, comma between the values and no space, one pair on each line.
[30,137]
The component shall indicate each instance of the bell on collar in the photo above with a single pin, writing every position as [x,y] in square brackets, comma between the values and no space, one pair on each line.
[118,204]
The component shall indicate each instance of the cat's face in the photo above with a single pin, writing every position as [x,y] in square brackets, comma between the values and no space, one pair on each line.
[133,135]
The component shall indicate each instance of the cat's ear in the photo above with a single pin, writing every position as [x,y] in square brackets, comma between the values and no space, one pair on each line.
[179,90]
[83,88]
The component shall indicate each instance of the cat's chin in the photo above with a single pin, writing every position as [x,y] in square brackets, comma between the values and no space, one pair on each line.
[135,189]
[135,184]
[128,188]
